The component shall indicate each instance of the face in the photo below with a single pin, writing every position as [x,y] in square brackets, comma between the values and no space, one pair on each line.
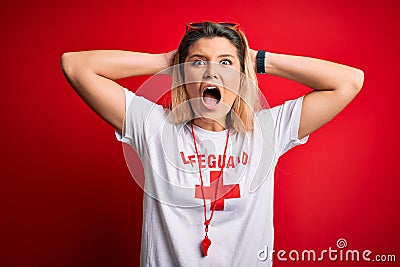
[212,77]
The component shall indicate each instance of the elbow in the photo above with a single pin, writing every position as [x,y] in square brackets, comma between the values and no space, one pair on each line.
[358,79]
[353,84]
[66,63]
[73,63]
[350,89]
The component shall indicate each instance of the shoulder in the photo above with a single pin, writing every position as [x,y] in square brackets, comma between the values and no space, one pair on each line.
[142,105]
[282,111]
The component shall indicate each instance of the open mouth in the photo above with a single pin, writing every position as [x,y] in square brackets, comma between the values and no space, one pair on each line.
[211,96]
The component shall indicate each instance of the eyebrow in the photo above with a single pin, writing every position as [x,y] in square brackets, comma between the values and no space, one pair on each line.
[203,56]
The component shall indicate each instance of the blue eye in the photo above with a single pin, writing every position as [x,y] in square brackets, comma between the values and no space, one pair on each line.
[226,62]
[198,62]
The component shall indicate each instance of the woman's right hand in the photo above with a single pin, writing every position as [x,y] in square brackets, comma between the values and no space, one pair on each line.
[169,61]
[169,57]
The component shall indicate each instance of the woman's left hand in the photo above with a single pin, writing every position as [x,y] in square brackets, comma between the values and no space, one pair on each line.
[253,55]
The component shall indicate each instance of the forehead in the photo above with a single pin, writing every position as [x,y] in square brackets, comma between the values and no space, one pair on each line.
[213,47]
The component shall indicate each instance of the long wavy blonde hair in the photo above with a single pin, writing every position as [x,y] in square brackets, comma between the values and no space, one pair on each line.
[247,102]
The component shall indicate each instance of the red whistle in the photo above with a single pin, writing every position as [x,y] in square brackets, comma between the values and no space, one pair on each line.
[206,244]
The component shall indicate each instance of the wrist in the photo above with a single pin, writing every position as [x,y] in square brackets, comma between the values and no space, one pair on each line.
[267,62]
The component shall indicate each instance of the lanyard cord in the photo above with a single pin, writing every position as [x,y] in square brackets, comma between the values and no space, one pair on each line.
[207,222]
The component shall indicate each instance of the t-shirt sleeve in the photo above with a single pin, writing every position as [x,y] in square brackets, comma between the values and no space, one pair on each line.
[287,121]
[139,115]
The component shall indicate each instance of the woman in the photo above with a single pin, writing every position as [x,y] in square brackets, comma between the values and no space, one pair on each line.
[209,160]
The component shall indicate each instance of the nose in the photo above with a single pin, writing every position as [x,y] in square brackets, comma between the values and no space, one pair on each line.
[211,71]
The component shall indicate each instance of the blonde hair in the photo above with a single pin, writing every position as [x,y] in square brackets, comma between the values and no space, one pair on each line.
[247,102]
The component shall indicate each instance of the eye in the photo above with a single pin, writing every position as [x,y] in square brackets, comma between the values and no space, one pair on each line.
[198,62]
[226,62]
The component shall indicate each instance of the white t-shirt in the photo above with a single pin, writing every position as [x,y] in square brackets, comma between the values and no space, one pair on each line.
[241,230]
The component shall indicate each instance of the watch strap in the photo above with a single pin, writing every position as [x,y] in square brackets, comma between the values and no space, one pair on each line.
[260,59]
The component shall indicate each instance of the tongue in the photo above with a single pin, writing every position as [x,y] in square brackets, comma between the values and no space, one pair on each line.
[209,99]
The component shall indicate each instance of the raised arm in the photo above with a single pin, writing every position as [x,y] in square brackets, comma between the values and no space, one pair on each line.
[92,75]
[334,85]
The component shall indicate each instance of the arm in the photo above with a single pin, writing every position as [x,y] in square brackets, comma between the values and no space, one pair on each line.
[92,75]
[334,86]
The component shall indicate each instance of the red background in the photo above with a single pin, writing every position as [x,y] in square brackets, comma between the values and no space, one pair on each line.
[67,198]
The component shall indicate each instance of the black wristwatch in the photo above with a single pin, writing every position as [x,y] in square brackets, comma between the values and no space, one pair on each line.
[260,61]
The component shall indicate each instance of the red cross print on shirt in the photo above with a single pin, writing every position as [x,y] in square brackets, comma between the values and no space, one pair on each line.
[217,188]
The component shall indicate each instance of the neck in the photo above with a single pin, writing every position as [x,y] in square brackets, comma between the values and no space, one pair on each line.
[209,125]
